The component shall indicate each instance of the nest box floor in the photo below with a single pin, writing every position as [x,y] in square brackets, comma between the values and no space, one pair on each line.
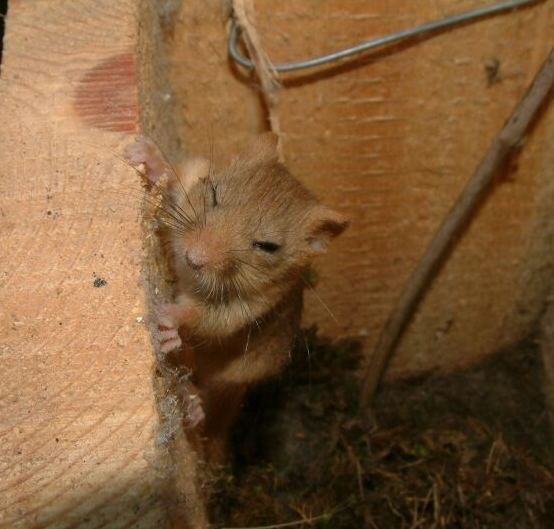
[469,450]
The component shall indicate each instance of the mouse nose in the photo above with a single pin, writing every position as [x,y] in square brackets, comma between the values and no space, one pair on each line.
[196,258]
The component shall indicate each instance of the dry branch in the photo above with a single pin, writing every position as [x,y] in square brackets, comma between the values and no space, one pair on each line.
[504,144]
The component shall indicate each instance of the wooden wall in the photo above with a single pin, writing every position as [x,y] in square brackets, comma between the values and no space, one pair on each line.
[390,138]
[77,412]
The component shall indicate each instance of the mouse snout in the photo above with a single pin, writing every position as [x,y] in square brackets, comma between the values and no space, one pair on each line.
[196,258]
[205,251]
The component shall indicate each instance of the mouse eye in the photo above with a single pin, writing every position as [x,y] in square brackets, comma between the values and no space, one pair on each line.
[266,246]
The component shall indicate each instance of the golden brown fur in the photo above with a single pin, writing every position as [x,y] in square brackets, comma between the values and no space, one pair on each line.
[240,241]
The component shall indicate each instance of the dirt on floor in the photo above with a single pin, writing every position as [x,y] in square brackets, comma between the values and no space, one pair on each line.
[470,450]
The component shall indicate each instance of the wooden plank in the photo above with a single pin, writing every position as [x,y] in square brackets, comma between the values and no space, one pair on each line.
[77,410]
[390,139]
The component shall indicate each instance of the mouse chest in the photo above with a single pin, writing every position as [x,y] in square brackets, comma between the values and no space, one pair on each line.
[209,357]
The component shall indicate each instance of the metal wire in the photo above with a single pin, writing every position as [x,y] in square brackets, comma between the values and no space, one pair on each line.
[378,41]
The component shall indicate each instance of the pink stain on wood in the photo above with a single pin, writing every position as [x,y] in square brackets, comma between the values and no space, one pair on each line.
[106,97]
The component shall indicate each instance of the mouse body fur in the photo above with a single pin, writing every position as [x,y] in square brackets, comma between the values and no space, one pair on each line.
[240,241]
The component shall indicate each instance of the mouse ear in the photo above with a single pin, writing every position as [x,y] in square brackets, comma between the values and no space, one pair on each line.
[324,224]
[263,148]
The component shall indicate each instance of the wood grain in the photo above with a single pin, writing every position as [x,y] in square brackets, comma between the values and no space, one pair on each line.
[508,141]
[77,409]
[390,139]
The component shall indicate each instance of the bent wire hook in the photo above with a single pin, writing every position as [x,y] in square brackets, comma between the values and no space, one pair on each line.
[378,41]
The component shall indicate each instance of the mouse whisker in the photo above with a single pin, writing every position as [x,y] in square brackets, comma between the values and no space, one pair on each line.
[171,226]
[220,294]
[165,216]
[247,312]
[209,287]
[239,298]
[171,220]
[177,217]
[260,295]
[204,220]
[168,217]
[318,297]
[250,265]
[178,210]
[161,204]
[247,340]
[243,250]
[265,281]
[175,213]
[137,198]
[190,202]
[169,165]
[175,175]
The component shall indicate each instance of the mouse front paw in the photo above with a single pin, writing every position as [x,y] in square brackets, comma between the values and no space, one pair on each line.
[169,340]
[194,413]
[169,318]
[167,328]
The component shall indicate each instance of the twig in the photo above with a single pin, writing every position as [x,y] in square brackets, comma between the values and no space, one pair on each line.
[505,142]
[287,524]
[356,463]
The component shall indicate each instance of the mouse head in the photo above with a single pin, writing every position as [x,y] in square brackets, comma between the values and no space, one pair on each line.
[248,231]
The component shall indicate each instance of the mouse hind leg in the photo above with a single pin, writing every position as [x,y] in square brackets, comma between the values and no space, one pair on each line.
[222,406]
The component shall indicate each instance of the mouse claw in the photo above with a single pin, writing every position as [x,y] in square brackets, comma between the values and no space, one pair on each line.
[167,334]
[169,341]
[194,412]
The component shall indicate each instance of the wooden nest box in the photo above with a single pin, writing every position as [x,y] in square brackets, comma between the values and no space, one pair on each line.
[388,138]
